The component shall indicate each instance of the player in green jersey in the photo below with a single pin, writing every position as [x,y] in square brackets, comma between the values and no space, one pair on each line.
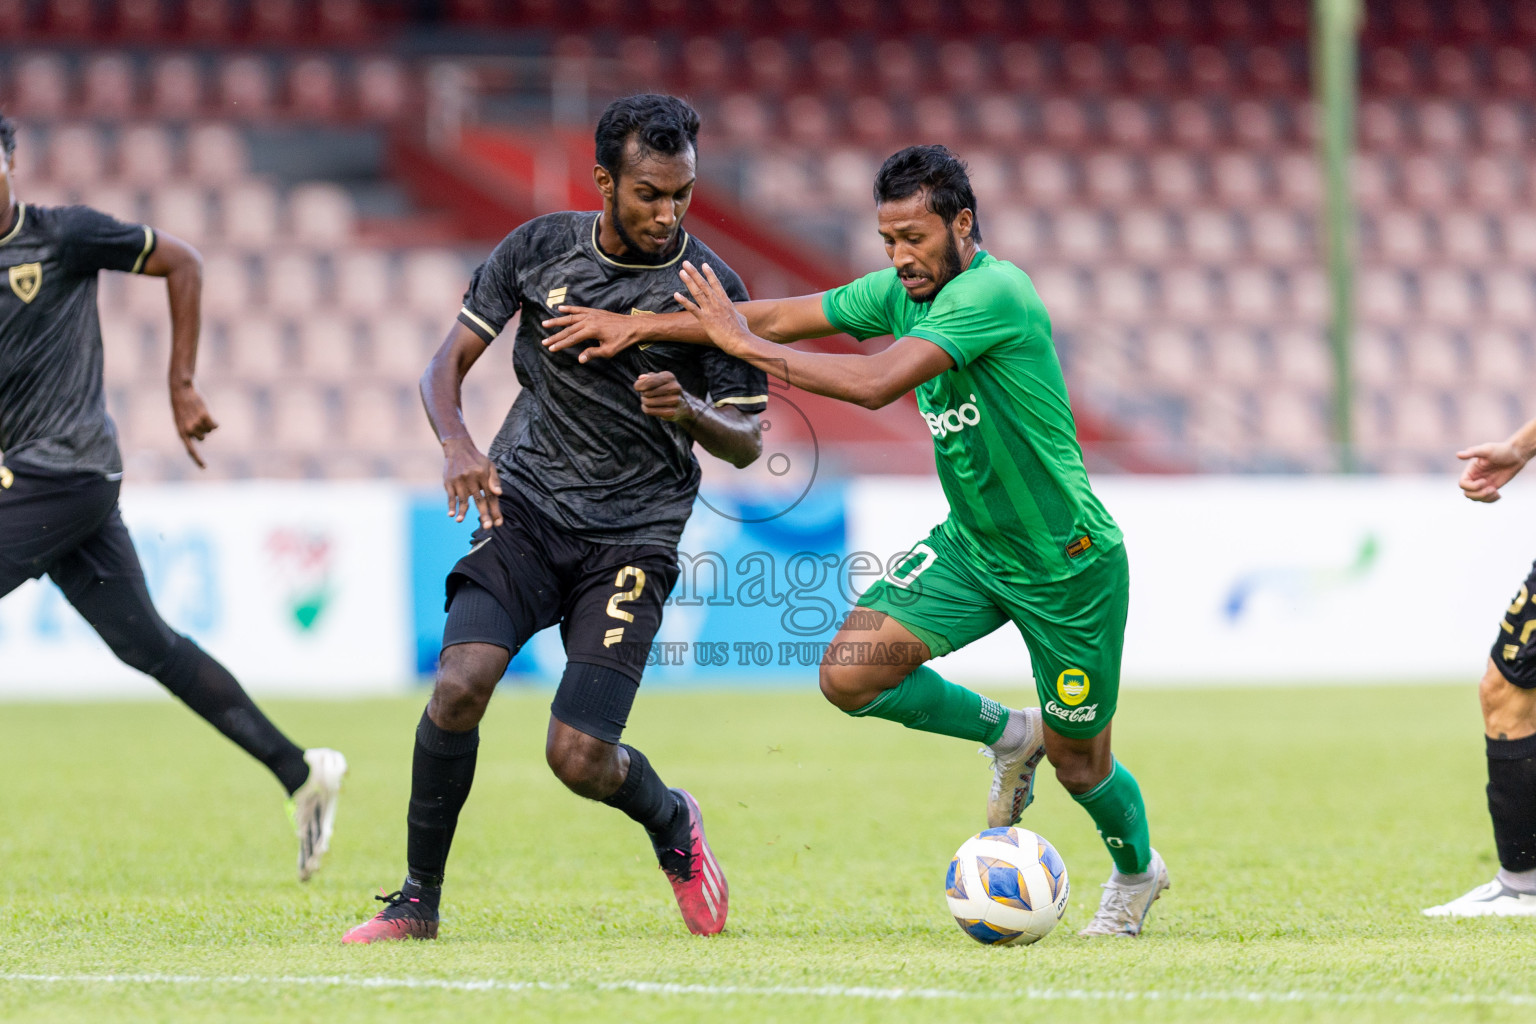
[1026,539]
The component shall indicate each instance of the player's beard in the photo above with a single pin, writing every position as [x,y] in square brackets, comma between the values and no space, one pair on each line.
[949,269]
[632,251]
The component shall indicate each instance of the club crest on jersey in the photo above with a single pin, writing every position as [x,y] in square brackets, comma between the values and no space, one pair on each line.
[26,279]
[1072,686]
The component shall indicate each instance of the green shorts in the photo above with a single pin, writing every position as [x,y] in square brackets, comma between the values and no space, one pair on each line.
[1074,628]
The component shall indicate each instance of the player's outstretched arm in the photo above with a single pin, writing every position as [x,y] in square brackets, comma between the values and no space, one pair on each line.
[871,381]
[467,474]
[182,268]
[724,431]
[1492,465]
[779,320]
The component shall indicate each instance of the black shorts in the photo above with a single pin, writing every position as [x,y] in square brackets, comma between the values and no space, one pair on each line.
[63,524]
[607,598]
[1514,652]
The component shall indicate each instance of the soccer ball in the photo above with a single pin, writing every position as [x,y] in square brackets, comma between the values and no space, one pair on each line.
[1007,885]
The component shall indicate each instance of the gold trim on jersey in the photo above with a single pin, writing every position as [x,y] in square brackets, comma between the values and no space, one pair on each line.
[21,216]
[681,248]
[741,400]
[465,311]
[149,243]
[26,280]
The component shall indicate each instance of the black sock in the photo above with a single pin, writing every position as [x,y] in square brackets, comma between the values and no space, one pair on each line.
[1512,801]
[206,687]
[442,770]
[645,798]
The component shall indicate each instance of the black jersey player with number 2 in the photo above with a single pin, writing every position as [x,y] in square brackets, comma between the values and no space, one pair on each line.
[581,502]
[62,470]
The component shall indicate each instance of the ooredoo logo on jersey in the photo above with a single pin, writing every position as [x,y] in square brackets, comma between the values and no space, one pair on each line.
[953,421]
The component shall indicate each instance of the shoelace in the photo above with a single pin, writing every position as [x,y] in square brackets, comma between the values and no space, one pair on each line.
[398,899]
[677,863]
[1114,907]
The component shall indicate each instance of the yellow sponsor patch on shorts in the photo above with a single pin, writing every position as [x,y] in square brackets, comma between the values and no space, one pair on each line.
[1072,686]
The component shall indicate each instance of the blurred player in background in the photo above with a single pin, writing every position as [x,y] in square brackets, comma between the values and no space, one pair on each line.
[1026,540]
[581,502]
[62,470]
[1508,696]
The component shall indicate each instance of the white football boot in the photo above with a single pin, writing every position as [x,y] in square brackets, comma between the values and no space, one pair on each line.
[1123,908]
[1013,774]
[313,807]
[1491,899]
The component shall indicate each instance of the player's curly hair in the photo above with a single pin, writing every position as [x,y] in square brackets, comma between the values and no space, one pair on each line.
[660,124]
[7,136]
[936,170]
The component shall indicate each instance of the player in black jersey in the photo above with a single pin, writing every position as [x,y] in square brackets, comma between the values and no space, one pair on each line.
[1507,693]
[61,471]
[581,502]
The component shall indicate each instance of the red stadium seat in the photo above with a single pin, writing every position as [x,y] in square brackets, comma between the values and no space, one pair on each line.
[383,88]
[76,155]
[1303,359]
[1210,235]
[256,349]
[313,89]
[321,214]
[40,86]
[1045,178]
[1121,295]
[176,86]
[999,118]
[1111,178]
[245,87]
[216,154]
[328,348]
[1434,357]
[293,283]
[226,284]
[1145,235]
[1500,358]
[1374,359]
[110,86]
[250,213]
[181,210]
[1237,358]
[1278,236]
[146,155]
[362,281]
[1079,234]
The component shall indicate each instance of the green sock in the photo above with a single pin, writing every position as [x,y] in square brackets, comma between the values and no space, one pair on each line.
[1121,818]
[927,701]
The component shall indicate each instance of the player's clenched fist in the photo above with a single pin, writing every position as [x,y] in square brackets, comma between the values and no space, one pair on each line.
[193,421]
[663,397]
[469,475]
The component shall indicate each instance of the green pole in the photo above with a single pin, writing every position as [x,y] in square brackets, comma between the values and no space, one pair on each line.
[1336,27]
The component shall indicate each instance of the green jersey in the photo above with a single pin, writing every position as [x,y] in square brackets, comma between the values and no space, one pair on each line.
[1003,435]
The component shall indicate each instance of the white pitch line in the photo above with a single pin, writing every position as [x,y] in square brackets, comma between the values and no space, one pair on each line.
[818,992]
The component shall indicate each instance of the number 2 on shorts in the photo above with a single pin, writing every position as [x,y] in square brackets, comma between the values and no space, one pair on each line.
[625,574]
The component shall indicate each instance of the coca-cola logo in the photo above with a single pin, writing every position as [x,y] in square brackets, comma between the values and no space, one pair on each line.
[1086,713]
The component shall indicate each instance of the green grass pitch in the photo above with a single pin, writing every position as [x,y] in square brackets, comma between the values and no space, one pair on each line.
[148,871]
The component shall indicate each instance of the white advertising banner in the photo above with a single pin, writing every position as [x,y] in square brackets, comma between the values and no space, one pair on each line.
[299,589]
[1279,579]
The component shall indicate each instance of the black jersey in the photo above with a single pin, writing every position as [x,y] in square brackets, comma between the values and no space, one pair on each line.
[575,441]
[53,409]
